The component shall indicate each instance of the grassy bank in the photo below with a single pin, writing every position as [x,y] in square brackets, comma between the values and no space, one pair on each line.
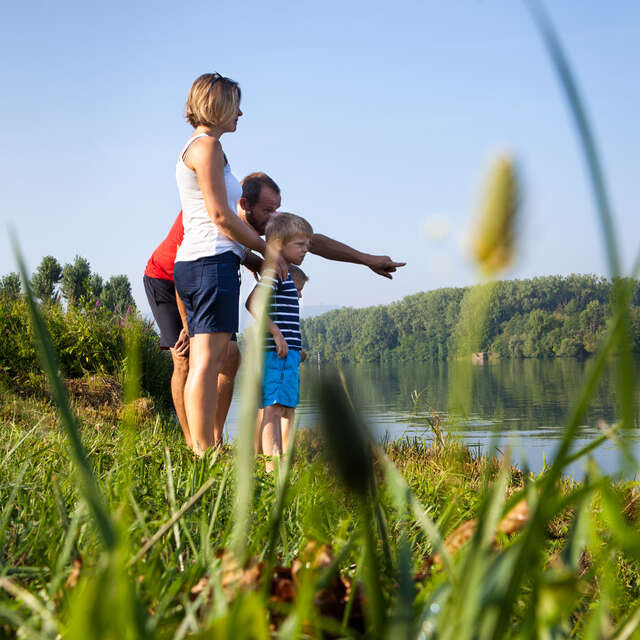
[56,576]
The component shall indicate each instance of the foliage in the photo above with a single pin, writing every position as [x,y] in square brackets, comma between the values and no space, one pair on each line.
[52,548]
[116,294]
[87,340]
[75,277]
[46,278]
[10,286]
[544,317]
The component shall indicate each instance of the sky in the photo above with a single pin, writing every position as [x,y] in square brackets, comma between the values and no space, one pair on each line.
[378,120]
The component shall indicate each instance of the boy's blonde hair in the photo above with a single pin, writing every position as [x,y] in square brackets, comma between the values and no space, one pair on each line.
[283,227]
[213,100]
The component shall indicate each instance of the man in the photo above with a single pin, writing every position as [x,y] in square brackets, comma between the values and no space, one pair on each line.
[260,200]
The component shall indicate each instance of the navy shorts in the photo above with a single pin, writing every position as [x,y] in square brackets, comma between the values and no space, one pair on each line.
[161,295]
[210,290]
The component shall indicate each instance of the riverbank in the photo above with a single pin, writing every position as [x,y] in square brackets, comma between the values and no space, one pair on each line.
[58,575]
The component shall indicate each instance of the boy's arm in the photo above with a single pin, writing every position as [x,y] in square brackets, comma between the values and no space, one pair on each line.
[282,348]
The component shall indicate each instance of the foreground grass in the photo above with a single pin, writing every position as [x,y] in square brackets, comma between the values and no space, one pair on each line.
[56,578]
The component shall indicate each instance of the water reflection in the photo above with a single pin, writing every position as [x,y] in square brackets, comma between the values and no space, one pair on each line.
[516,404]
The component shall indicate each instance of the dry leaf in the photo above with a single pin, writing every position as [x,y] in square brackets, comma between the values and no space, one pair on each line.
[516,518]
[74,576]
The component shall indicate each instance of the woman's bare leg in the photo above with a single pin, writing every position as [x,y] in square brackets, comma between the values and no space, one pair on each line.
[206,358]
[226,379]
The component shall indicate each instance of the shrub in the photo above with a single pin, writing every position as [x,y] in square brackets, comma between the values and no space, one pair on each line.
[87,340]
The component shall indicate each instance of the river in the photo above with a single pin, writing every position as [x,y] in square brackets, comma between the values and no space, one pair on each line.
[520,406]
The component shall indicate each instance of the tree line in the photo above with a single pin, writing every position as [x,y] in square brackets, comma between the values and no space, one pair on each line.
[543,317]
[74,283]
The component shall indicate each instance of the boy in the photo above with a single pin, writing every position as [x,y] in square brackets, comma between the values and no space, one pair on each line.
[288,235]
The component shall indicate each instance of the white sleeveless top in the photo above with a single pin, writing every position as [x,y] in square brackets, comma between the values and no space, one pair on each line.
[201,236]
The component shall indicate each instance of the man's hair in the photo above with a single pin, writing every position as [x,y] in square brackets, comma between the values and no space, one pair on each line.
[298,275]
[213,100]
[252,185]
[283,227]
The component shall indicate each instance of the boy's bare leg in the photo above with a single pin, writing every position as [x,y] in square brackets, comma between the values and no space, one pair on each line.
[178,380]
[287,422]
[226,379]
[271,433]
[257,437]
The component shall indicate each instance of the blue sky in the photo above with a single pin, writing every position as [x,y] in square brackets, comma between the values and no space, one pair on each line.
[377,119]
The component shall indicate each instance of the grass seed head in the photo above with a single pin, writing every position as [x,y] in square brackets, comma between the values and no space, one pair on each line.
[493,239]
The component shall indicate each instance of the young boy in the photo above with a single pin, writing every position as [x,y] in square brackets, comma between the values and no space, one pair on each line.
[288,235]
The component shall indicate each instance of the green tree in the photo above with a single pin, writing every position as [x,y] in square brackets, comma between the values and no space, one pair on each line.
[10,286]
[94,287]
[75,278]
[45,279]
[116,294]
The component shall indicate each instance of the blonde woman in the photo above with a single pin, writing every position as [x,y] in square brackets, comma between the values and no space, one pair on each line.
[215,239]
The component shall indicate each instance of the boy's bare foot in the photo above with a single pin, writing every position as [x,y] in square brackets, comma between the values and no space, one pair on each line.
[269,464]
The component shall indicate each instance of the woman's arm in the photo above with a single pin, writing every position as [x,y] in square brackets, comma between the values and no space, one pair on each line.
[206,158]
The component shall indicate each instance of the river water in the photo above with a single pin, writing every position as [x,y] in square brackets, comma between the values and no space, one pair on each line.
[520,406]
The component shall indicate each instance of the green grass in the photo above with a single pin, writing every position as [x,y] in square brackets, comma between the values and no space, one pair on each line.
[45,526]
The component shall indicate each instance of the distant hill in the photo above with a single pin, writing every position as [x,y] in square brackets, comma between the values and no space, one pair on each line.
[313,310]
[544,317]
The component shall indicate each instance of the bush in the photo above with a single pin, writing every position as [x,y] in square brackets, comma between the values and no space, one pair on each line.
[87,341]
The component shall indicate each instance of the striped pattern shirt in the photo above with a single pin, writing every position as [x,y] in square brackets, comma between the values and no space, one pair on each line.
[284,310]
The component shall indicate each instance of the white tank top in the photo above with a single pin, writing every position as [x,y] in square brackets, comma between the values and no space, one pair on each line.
[201,236]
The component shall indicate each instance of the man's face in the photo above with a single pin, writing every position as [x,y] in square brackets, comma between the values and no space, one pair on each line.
[258,215]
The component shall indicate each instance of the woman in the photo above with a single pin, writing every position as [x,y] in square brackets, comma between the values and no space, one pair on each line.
[207,261]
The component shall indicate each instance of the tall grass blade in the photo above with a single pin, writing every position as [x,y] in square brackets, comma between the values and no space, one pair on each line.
[628,626]
[20,625]
[7,510]
[49,622]
[250,393]
[87,481]
[592,157]
[402,624]
[398,486]
[68,548]
[16,446]
[171,495]
[169,524]
[626,371]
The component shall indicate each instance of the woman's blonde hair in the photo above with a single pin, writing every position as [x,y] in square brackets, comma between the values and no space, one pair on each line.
[213,100]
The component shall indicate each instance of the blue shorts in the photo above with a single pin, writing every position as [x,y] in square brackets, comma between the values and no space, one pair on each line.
[210,290]
[281,379]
